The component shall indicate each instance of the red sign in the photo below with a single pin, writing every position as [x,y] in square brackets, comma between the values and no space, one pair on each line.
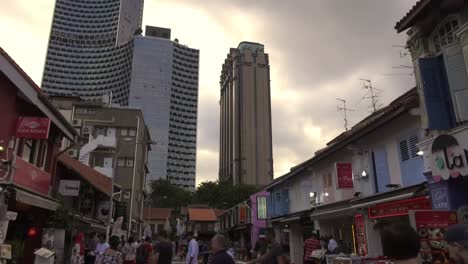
[32,127]
[31,177]
[344,175]
[431,227]
[399,207]
[361,235]
[242,214]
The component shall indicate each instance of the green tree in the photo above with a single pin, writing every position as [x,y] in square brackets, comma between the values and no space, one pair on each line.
[222,194]
[164,194]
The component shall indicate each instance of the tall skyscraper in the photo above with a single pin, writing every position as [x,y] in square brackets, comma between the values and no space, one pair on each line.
[164,84]
[90,48]
[245,137]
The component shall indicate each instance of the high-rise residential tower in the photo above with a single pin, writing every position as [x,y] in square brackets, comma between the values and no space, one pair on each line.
[90,48]
[164,85]
[245,126]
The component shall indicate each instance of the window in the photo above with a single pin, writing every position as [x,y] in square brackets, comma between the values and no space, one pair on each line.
[129,162]
[42,154]
[121,162]
[123,132]
[29,150]
[444,34]
[132,132]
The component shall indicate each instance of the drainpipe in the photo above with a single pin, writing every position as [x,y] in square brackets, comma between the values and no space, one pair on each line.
[133,178]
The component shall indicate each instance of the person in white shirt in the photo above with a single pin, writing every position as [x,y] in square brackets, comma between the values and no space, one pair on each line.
[101,247]
[192,254]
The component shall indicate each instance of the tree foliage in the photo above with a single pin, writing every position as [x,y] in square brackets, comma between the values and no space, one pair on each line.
[222,194]
[164,194]
[215,194]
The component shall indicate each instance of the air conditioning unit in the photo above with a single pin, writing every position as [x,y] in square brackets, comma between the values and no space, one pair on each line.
[87,129]
[76,122]
[73,153]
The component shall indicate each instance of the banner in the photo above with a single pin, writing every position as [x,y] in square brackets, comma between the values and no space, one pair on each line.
[32,127]
[344,175]
[262,208]
[361,235]
[242,214]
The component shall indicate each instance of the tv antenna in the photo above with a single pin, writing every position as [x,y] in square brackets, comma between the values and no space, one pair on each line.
[373,93]
[403,50]
[345,110]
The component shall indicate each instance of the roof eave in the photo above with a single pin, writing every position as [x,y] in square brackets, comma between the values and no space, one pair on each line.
[408,20]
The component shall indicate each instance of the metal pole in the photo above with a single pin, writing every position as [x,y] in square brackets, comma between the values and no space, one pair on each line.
[133,177]
[114,173]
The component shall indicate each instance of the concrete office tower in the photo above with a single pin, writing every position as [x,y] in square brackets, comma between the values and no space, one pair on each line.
[164,85]
[90,48]
[245,137]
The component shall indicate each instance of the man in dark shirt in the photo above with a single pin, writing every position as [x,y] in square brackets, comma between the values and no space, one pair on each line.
[275,254]
[218,244]
[163,250]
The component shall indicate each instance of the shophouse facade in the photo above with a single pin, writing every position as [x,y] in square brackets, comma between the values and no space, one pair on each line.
[373,167]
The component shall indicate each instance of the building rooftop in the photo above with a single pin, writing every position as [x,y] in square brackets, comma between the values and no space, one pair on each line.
[157,213]
[202,215]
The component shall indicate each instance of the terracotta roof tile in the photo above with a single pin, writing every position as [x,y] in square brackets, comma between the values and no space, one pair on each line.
[202,215]
[92,176]
[157,213]
[219,212]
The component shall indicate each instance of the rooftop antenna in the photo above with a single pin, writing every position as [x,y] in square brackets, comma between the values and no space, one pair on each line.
[402,53]
[373,94]
[345,110]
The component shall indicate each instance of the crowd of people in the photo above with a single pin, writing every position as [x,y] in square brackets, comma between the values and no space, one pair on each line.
[96,250]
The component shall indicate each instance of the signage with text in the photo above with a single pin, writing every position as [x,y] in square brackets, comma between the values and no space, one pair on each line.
[32,127]
[399,207]
[344,175]
[360,235]
[448,158]
[31,177]
[262,208]
[69,188]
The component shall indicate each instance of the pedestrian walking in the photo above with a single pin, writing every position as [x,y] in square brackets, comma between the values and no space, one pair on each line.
[111,254]
[101,247]
[144,253]
[400,243]
[220,256]
[78,250]
[91,244]
[310,245]
[457,239]
[163,250]
[192,253]
[275,255]
[129,251]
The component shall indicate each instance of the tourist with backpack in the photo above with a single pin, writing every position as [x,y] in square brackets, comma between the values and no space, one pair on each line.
[144,253]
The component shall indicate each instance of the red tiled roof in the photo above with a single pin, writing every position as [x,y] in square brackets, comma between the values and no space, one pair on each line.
[202,215]
[404,22]
[157,213]
[93,177]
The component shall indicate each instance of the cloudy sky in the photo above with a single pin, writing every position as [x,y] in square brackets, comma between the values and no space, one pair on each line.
[318,51]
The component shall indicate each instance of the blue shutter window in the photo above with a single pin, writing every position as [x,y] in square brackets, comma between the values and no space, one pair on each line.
[411,164]
[437,96]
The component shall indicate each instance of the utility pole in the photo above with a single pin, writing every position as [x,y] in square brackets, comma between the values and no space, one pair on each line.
[345,110]
[373,95]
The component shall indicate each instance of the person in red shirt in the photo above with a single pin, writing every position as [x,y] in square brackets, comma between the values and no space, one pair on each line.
[310,245]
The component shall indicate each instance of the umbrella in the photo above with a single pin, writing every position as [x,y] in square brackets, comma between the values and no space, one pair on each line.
[442,142]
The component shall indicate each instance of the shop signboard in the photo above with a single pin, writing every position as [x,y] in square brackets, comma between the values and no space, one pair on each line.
[448,157]
[69,188]
[440,196]
[242,214]
[31,177]
[398,208]
[262,208]
[32,127]
[360,235]
[344,175]
[431,227]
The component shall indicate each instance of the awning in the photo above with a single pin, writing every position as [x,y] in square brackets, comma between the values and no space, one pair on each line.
[36,200]
[93,223]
